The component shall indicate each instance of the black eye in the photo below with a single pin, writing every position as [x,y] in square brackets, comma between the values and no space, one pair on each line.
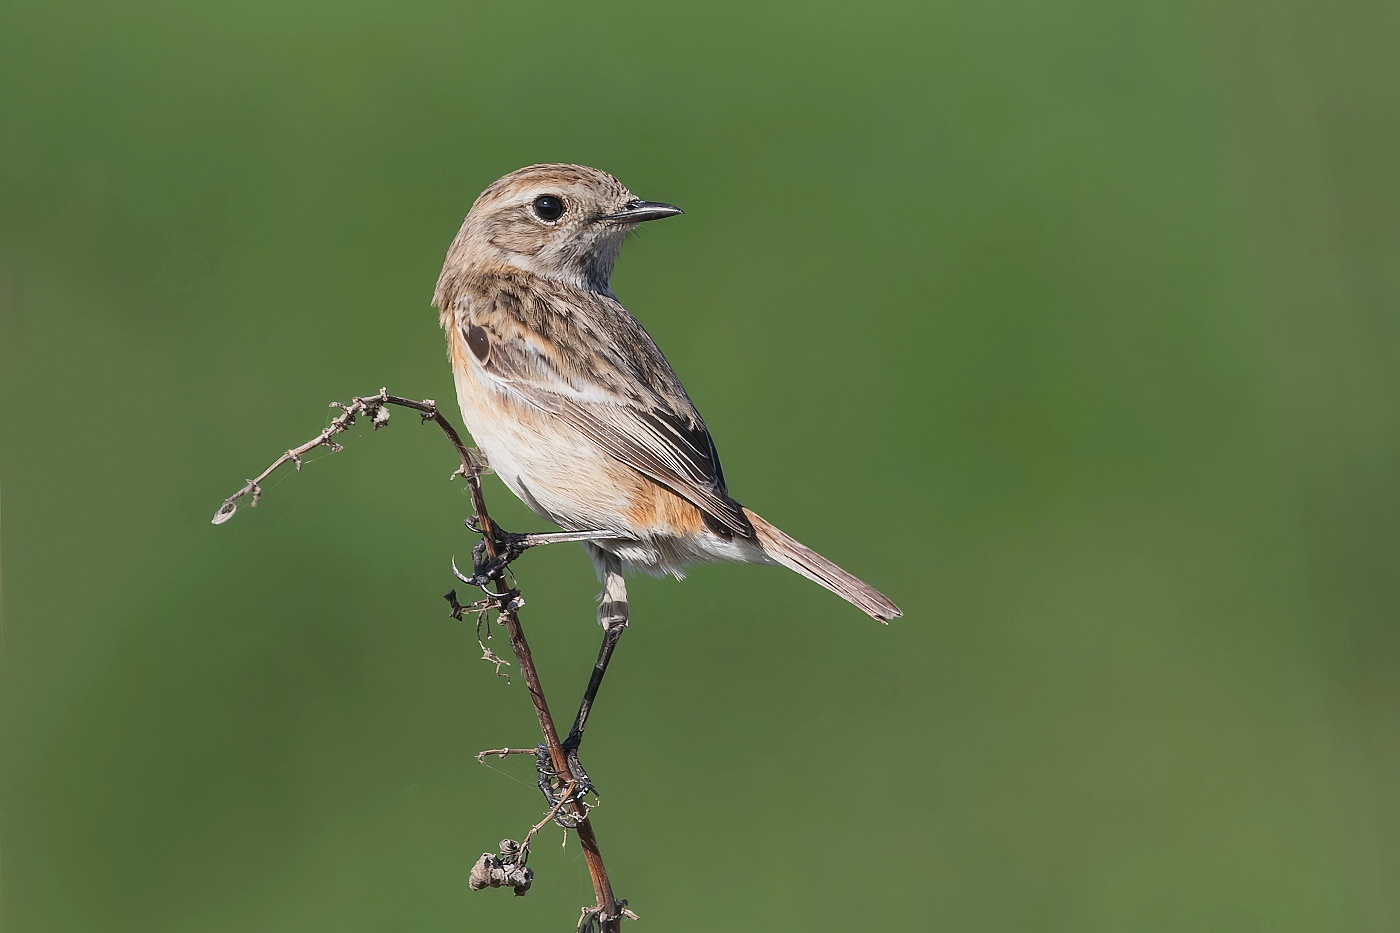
[548,208]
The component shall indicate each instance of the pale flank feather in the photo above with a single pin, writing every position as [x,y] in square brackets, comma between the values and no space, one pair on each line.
[795,555]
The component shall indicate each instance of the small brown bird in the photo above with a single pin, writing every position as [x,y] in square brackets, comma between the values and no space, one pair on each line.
[574,405]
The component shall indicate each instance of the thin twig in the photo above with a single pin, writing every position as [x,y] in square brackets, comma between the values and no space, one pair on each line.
[501,753]
[608,911]
[553,811]
[373,406]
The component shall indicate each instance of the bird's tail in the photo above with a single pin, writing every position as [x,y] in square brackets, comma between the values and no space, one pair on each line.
[795,555]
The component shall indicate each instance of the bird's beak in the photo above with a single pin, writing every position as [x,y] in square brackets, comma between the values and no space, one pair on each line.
[634,212]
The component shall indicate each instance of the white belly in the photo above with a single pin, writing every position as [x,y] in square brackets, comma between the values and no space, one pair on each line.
[549,466]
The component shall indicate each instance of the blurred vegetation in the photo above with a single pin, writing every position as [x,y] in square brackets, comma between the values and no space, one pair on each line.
[1073,326]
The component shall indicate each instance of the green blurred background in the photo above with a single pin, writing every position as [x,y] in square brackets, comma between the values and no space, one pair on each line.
[1073,326]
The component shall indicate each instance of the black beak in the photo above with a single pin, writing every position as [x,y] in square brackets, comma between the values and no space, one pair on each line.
[637,211]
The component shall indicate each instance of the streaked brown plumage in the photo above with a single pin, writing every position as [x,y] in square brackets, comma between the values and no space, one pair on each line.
[575,406]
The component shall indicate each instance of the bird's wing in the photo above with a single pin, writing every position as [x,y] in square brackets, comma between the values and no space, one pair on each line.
[592,365]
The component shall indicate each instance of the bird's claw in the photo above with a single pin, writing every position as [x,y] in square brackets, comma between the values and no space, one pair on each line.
[481,575]
[486,568]
[553,785]
[509,547]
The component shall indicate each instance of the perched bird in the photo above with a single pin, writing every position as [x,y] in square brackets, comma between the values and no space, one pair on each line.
[575,407]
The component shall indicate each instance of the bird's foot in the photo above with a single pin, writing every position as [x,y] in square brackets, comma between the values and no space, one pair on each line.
[508,547]
[562,789]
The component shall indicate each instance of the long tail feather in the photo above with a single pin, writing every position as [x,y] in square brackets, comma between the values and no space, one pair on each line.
[797,556]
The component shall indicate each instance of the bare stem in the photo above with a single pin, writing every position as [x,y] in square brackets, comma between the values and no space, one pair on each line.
[608,912]
[602,889]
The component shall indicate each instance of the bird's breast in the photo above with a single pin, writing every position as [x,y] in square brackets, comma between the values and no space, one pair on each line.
[549,466]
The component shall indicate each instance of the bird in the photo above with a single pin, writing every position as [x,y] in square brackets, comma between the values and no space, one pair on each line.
[576,409]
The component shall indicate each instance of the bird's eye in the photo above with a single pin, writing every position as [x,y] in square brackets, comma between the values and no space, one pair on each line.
[548,208]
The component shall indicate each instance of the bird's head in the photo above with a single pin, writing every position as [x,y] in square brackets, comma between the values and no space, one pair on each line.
[561,222]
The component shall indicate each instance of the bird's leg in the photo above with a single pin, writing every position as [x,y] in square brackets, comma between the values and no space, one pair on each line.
[612,633]
[510,546]
[612,616]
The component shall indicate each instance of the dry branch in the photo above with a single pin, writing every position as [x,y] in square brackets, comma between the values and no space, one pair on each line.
[504,598]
